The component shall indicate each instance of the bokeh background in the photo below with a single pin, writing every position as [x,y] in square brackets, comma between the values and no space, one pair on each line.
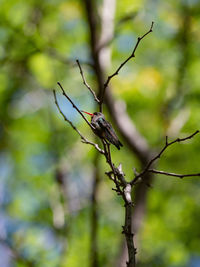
[57,206]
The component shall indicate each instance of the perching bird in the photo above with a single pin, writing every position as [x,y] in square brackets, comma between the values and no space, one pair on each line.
[103,128]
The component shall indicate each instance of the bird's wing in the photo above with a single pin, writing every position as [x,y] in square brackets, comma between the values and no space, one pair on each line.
[104,124]
[109,132]
[108,129]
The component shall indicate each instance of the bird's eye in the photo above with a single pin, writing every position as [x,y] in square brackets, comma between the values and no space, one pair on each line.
[95,113]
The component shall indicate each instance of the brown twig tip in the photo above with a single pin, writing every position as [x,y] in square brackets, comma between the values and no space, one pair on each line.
[85,82]
[79,65]
[132,55]
[166,140]
[152,23]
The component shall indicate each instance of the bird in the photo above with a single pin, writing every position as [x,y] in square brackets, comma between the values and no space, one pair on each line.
[103,129]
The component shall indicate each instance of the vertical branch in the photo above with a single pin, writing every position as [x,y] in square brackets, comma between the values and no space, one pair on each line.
[138,213]
[127,230]
[125,125]
[109,159]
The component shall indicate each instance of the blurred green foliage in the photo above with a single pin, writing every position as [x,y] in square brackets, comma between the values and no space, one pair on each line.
[39,42]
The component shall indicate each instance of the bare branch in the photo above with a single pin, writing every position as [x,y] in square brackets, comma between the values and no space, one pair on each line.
[123,63]
[136,142]
[109,174]
[65,118]
[74,106]
[181,176]
[85,83]
[167,144]
[127,231]
[84,140]
[109,160]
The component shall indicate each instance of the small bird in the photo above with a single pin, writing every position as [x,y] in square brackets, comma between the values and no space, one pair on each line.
[103,128]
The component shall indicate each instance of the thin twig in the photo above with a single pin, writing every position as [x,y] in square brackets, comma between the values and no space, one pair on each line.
[65,118]
[181,176]
[84,140]
[109,160]
[109,174]
[123,63]
[74,106]
[114,170]
[85,83]
[167,144]
[105,149]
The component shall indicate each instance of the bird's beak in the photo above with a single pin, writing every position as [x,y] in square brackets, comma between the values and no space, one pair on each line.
[91,114]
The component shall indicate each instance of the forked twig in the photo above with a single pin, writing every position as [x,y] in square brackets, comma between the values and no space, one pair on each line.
[84,140]
[123,63]
[74,106]
[123,187]
[167,144]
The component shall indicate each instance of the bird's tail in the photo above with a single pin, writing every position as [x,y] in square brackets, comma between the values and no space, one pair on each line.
[118,144]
